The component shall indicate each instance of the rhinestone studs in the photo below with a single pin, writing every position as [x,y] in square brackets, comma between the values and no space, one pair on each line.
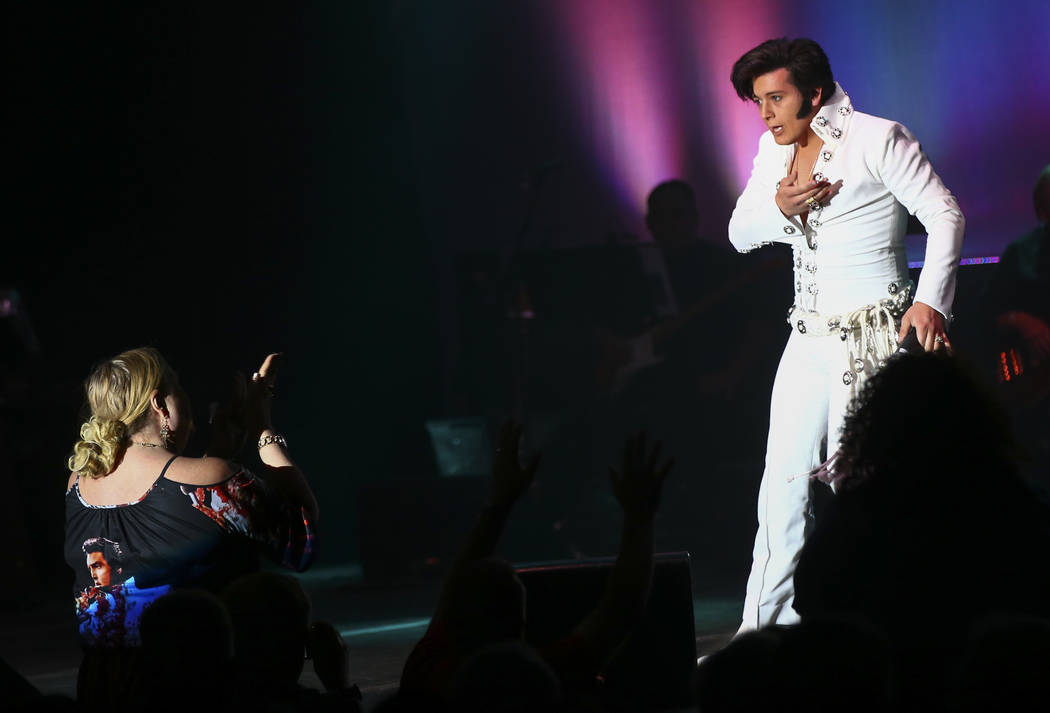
[836,133]
[818,176]
[858,365]
[789,229]
[892,288]
[815,223]
[845,110]
[826,155]
[813,289]
[801,327]
[833,323]
[811,268]
[847,377]
[843,333]
[821,121]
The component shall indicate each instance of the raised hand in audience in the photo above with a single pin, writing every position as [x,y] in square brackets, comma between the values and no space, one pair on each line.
[330,655]
[637,485]
[510,479]
[638,482]
[332,665]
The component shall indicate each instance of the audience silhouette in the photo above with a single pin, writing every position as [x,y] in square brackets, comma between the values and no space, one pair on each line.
[483,603]
[932,528]
[273,634]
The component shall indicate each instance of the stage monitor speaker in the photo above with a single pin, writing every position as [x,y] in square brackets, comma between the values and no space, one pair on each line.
[654,666]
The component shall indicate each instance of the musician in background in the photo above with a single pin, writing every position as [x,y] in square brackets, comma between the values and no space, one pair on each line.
[708,352]
[698,271]
[712,366]
[1019,296]
[1022,281]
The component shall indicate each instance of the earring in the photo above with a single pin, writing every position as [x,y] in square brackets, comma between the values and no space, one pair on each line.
[165,432]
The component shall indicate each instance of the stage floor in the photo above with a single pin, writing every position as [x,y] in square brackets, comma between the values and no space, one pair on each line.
[380,624]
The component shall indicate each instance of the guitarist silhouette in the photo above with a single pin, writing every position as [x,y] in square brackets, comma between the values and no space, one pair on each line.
[708,285]
[1019,296]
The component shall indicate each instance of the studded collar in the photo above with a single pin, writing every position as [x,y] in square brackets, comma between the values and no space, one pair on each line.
[832,121]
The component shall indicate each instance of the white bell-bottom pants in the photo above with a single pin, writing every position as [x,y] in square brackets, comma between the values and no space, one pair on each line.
[806,411]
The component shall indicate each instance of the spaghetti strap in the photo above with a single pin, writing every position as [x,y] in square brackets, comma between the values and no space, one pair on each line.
[165,468]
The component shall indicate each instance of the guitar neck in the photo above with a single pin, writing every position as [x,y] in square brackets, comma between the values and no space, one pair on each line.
[667,329]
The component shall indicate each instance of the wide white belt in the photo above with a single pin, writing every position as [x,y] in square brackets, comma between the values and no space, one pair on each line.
[870,333]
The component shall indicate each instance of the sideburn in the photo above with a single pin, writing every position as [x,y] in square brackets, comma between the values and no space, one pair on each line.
[803,114]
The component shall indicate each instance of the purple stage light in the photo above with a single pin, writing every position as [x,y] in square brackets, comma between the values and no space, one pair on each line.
[625,77]
[723,32]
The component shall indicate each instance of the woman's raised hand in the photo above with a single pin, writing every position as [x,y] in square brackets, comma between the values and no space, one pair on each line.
[259,395]
[246,413]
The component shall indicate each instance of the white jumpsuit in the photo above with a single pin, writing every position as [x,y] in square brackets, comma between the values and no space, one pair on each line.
[849,256]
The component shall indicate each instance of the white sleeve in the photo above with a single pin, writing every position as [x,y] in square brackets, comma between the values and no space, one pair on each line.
[907,173]
[756,219]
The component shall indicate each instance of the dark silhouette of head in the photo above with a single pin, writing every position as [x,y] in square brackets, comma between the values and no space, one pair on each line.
[833,664]
[508,677]
[837,663]
[744,676]
[924,421]
[671,214]
[803,58]
[189,627]
[185,631]
[270,614]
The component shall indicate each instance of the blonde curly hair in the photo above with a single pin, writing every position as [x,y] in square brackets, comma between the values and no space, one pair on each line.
[118,394]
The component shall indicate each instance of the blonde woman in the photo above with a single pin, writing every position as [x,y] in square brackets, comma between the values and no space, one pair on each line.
[141,519]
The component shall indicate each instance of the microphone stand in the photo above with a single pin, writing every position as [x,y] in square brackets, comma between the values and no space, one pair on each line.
[514,290]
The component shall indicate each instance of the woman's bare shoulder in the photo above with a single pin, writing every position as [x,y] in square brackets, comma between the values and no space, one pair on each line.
[200,471]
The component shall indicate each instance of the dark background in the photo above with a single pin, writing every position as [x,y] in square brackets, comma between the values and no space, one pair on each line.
[223,181]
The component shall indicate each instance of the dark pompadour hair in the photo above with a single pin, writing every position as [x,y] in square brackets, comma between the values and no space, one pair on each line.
[803,58]
[111,550]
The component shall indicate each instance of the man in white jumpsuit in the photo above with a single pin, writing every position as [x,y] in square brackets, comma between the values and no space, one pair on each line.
[837,185]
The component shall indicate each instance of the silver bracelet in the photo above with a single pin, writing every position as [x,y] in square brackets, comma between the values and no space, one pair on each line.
[273,438]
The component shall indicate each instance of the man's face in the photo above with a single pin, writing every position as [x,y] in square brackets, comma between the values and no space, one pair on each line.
[779,102]
[99,568]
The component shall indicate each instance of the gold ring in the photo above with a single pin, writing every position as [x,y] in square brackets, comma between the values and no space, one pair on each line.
[811,202]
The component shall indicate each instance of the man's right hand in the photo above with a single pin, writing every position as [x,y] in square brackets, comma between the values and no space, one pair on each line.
[791,198]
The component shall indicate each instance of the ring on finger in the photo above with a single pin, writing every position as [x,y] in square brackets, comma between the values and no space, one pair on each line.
[939,338]
[812,202]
